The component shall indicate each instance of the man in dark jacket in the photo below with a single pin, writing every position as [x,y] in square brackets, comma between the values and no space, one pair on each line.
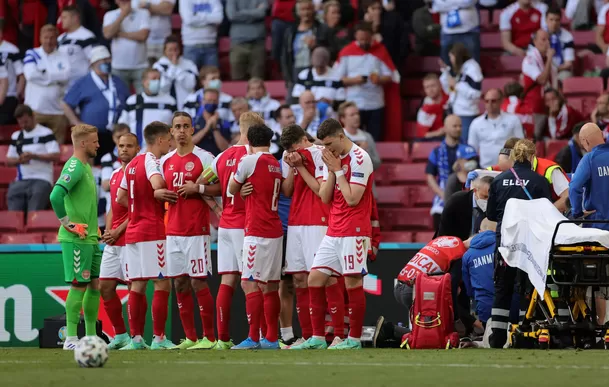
[569,157]
[388,29]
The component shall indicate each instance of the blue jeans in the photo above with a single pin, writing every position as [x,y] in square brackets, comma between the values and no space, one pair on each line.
[202,54]
[278,28]
[471,40]
[466,121]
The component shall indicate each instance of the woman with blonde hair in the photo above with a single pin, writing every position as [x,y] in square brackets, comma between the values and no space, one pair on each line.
[519,182]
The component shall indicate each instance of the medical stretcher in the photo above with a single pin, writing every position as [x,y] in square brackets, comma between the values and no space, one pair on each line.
[563,318]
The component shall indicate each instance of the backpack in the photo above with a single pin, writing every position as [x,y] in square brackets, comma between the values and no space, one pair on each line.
[432,315]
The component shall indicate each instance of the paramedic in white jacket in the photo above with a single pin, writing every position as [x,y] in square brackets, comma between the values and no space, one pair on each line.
[463,84]
[200,21]
[178,74]
[47,72]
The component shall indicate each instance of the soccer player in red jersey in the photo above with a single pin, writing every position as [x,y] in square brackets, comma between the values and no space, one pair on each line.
[113,266]
[140,191]
[347,186]
[263,242]
[308,221]
[188,241]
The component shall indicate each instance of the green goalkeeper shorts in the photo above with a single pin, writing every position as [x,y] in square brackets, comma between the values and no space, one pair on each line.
[81,261]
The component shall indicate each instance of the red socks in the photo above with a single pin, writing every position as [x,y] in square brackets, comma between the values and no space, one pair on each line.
[336,306]
[357,309]
[223,304]
[317,309]
[114,310]
[272,306]
[302,309]
[253,309]
[206,310]
[136,307]
[186,306]
[160,302]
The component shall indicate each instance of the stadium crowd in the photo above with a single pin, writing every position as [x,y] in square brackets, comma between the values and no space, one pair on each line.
[119,67]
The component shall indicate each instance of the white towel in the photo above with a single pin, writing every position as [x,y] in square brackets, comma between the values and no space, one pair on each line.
[526,237]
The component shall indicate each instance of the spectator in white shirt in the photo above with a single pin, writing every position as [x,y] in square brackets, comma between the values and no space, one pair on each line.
[284,116]
[200,21]
[150,105]
[160,19]
[209,76]
[561,41]
[310,114]
[320,79]
[3,80]
[13,60]
[128,29]
[489,132]
[463,84]
[47,72]
[460,24]
[76,43]
[348,114]
[238,106]
[260,101]
[178,74]
[33,150]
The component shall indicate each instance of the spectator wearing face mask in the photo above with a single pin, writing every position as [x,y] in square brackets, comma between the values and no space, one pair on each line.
[178,74]
[212,133]
[99,97]
[260,101]
[467,161]
[320,79]
[150,105]
[209,76]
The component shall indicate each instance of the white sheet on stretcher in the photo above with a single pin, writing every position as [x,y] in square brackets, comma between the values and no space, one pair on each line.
[526,237]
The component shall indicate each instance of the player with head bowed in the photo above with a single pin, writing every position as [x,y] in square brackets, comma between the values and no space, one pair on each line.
[71,201]
[188,224]
[141,186]
[113,266]
[262,245]
[347,187]
[232,224]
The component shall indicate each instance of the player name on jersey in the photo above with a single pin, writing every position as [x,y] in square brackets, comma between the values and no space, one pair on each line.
[225,167]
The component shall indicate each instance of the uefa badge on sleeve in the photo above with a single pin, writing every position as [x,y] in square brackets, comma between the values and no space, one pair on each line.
[66,178]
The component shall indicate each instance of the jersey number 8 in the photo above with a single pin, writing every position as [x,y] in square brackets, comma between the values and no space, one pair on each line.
[275,202]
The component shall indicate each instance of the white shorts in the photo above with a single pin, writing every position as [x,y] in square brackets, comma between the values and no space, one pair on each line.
[302,245]
[188,255]
[113,264]
[262,259]
[146,260]
[230,250]
[342,256]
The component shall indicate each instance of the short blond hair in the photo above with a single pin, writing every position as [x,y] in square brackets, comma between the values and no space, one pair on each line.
[82,130]
[342,108]
[247,120]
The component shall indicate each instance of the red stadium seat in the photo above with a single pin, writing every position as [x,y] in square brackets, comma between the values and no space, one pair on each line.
[588,105]
[12,221]
[582,86]
[407,174]
[6,131]
[412,88]
[21,239]
[420,151]
[66,153]
[7,175]
[491,41]
[421,196]
[234,88]
[392,151]
[494,83]
[223,46]
[276,89]
[553,147]
[583,38]
[416,65]
[57,171]
[392,196]
[3,204]
[176,21]
[592,62]
[405,219]
[49,238]
[396,236]
[409,130]
[43,221]
[3,151]
[540,149]
[423,236]
[410,107]
[486,21]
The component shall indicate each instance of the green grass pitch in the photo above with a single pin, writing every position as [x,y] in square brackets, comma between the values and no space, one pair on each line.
[369,367]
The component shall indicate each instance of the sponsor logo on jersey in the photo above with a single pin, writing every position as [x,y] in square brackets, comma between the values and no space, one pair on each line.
[357,174]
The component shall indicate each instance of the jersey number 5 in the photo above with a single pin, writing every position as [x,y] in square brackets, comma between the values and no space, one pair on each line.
[275,201]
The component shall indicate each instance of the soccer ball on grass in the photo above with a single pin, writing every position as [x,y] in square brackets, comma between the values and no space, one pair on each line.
[91,352]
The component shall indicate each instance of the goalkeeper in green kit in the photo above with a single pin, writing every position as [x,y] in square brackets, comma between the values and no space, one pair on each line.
[74,200]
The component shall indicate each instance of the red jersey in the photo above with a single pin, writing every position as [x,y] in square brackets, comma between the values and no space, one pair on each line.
[310,211]
[145,212]
[532,67]
[560,126]
[513,105]
[225,167]
[522,23]
[430,116]
[261,217]
[602,20]
[435,257]
[188,216]
[347,221]
[119,213]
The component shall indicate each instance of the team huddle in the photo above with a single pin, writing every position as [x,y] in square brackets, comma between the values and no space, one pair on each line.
[160,231]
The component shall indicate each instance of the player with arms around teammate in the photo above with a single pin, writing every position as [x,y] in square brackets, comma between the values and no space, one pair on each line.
[308,220]
[347,187]
[232,224]
[74,200]
[113,266]
[263,242]
[145,236]
[188,241]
